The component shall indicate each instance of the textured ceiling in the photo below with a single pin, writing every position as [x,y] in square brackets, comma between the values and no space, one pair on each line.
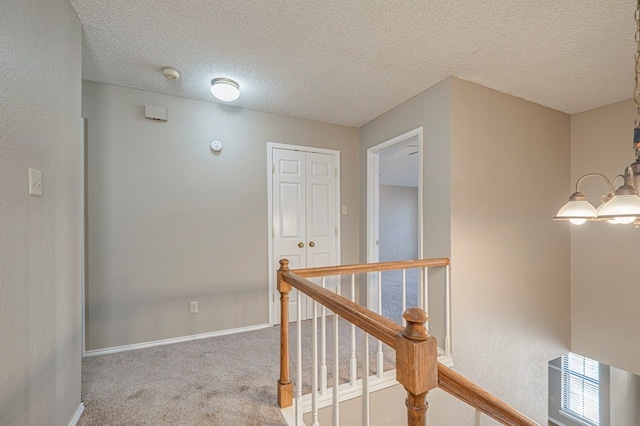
[347,62]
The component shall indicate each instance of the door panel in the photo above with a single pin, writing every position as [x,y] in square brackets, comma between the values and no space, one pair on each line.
[289,211]
[321,219]
[304,214]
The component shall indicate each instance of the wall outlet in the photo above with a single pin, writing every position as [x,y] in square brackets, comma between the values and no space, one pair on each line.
[552,399]
[193,307]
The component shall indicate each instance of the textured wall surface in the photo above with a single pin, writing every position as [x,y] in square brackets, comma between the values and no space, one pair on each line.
[431,110]
[171,222]
[605,294]
[40,238]
[398,223]
[510,261]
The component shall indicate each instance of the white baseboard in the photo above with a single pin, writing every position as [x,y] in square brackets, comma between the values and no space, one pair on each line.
[76,416]
[135,346]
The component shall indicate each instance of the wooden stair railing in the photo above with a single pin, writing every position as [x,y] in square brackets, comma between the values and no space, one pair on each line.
[467,391]
[417,366]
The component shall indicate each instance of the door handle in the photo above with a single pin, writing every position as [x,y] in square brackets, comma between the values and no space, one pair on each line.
[300,244]
[312,244]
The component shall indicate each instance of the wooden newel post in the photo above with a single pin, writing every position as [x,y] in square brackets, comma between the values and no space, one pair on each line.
[416,365]
[285,387]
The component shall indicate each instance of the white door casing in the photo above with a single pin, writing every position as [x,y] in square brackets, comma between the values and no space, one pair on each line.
[303,215]
[373,205]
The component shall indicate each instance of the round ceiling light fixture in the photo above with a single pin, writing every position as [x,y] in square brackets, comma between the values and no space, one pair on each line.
[225,89]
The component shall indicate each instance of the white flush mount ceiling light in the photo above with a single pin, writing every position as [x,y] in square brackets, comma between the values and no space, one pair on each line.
[225,89]
[621,206]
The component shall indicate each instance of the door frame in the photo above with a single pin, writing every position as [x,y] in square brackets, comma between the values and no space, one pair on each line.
[373,202]
[271,296]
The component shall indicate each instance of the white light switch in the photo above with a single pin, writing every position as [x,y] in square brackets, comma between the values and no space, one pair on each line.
[35,182]
[345,211]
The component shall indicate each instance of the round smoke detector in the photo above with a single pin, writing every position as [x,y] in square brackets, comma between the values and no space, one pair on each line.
[170,73]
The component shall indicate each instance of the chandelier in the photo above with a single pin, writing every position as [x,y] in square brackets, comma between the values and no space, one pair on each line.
[620,206]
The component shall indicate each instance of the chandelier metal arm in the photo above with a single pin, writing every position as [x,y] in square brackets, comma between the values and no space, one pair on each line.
[588,175]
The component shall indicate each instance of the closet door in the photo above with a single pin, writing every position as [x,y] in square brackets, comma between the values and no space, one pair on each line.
[304,215]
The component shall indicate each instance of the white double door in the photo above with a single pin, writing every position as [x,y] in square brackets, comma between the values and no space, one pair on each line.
[304,213]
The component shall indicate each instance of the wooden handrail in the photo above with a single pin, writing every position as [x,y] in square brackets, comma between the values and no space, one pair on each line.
[416,350]
[376,325]
[467,391]
[370,267]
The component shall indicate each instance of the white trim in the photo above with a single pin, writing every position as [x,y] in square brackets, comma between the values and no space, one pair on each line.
[555,368]
[76,416]
[373,195]
[557,422]
[83,233]
[162,342]
[270,147]
[575,418]
[445,360]
[347,391]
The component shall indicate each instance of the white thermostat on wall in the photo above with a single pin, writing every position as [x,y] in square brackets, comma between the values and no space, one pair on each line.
[216,146]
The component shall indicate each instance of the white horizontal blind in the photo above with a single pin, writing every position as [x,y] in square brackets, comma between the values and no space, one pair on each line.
[580,387]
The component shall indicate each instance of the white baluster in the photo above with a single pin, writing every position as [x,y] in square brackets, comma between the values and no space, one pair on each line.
[336,367]
[314,384]
[447,296]
[323,349]
[365,380]
[353,364]
[426,295]
[299,420]
[404,296]
[478,417]
[380,355]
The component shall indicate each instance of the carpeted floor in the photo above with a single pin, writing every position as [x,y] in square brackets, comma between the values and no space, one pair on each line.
[226,380]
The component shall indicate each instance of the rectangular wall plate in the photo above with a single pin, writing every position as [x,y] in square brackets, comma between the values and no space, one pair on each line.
[35,182]
[155,112]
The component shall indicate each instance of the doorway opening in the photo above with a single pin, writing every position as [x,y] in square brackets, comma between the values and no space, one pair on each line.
[394,220]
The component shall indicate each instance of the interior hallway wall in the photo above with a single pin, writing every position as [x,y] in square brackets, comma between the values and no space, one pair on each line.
[510,272]
[40,237]
[171,222]
[605,294]
[398,223]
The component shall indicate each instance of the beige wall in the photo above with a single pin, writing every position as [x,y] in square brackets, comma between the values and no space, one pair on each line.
[170,222]
[40,238]
[431,110]
[398,223]
[605,294]
[510,261]
[495,168]
[624,397]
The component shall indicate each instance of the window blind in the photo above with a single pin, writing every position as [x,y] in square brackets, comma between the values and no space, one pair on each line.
[580,387]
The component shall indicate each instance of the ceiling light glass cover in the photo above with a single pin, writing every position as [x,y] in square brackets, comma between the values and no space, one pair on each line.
[622,207]
[577,210]
[225,89]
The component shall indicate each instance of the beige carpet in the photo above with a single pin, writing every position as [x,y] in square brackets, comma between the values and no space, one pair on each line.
[227,380]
